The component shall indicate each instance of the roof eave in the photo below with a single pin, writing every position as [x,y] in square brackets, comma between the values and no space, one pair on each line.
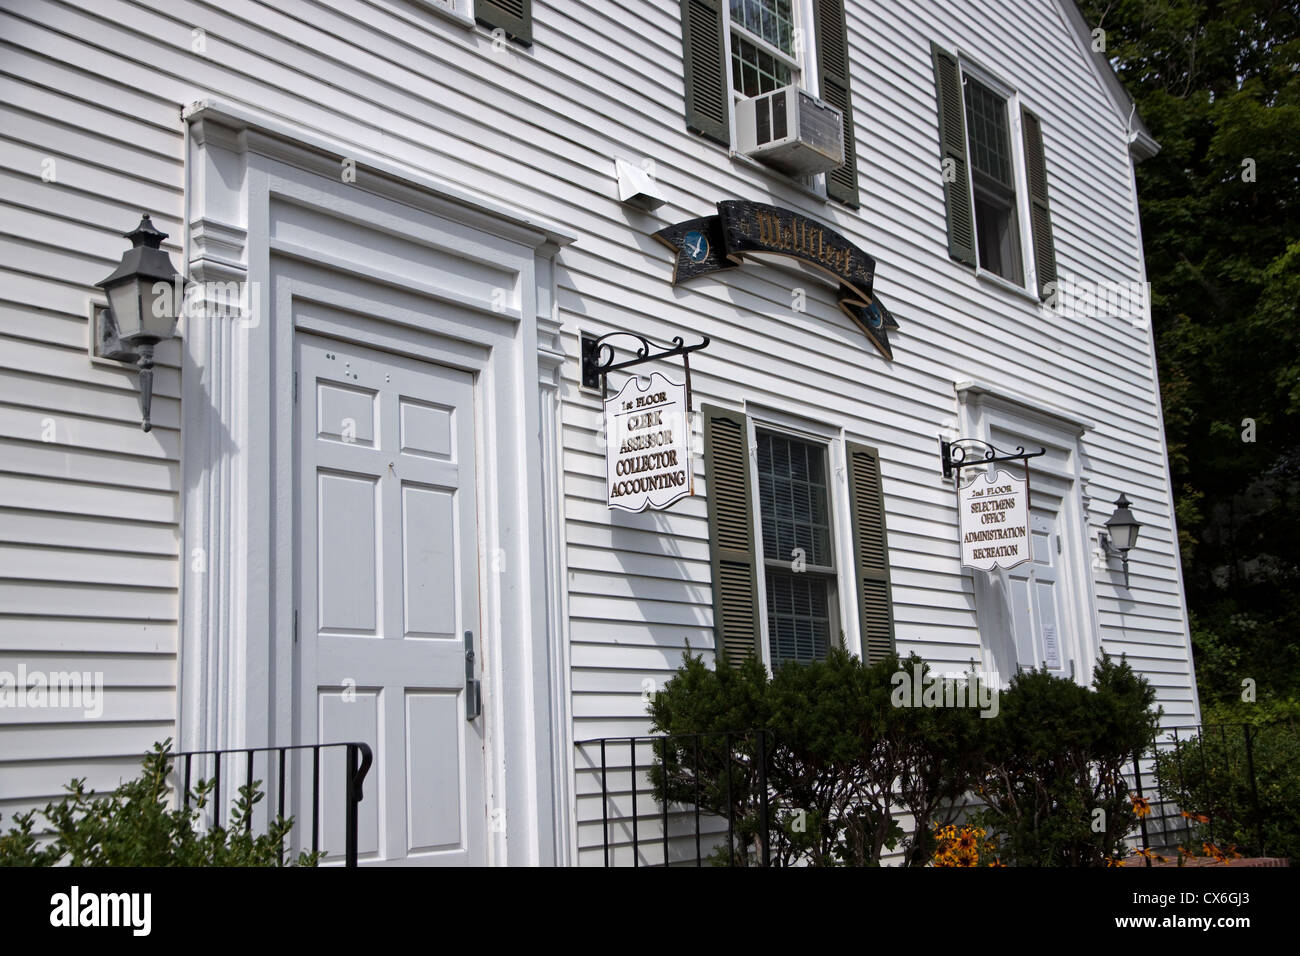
[1142,145]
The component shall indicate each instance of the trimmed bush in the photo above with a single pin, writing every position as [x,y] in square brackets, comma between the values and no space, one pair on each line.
[840,760]
[845,761]
[1054,787]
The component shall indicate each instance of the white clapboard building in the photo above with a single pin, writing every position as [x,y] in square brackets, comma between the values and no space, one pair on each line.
[371,445]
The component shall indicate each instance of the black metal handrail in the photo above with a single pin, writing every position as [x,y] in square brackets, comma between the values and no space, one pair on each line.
[359,759]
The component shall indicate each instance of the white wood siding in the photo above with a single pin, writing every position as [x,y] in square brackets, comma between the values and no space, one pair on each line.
[88,502]
[88,561]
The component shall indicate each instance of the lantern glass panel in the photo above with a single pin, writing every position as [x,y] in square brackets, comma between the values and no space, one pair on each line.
[1124,536]
[144,309]
[126,301]
[162,302]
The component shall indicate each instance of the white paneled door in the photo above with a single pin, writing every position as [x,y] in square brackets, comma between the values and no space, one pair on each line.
[1035,598]
[388,588]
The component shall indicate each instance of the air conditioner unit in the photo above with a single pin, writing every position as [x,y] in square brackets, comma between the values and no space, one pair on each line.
[791,130]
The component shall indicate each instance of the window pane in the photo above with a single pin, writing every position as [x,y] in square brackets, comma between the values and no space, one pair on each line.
[990,137]
[998,236]
[759,72]
[772,20]
[798,617]
[793,499]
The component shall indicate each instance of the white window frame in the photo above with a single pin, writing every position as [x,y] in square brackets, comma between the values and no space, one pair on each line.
[982,410]
[806,64]
[1024,226]
[837,488]
[461,11]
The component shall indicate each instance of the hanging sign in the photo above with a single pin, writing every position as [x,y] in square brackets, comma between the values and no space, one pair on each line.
[647,444]
[742,228]
[993,513]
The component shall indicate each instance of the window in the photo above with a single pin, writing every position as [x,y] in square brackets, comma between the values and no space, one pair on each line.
[735,49]
[762,46]
[798,560]
[997,214]
[787,561]
[994,176]
[515,17]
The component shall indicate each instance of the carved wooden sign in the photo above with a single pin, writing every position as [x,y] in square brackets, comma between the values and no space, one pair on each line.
[713,243]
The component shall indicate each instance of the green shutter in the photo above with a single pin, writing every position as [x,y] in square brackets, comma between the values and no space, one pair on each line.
[704,61]
[513,16]
[1040,220]
[870,552]
[952,147]
[833,61]
[731,533]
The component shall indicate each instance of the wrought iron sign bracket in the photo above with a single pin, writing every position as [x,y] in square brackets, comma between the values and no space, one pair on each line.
[598,357]
[954,456]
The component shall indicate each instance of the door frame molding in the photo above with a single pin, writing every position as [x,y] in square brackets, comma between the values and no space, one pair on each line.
[238,587]
[981,409]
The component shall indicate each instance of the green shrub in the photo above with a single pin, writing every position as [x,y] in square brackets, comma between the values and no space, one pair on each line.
[840,762]
[843,765]
[134,826]
[1054,787]
[713,704]
[1209,776]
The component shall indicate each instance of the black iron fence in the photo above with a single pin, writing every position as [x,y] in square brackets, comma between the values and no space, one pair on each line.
[238,766]
[1193,783]
[1202,783]
[687,833]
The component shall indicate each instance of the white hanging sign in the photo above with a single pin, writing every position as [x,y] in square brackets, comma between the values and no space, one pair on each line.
[648,445]
[993,510]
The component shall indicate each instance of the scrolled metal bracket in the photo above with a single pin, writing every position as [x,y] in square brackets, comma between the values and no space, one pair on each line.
[954,456]
[598,356]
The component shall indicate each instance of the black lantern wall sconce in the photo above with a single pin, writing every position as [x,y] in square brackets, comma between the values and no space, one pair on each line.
[1121,533]
[145,298]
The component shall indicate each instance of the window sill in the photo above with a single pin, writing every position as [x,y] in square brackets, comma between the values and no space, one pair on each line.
[992,278]
[455,15]
[780,177]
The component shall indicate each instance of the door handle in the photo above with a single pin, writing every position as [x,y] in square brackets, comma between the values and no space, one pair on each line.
[473,686]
